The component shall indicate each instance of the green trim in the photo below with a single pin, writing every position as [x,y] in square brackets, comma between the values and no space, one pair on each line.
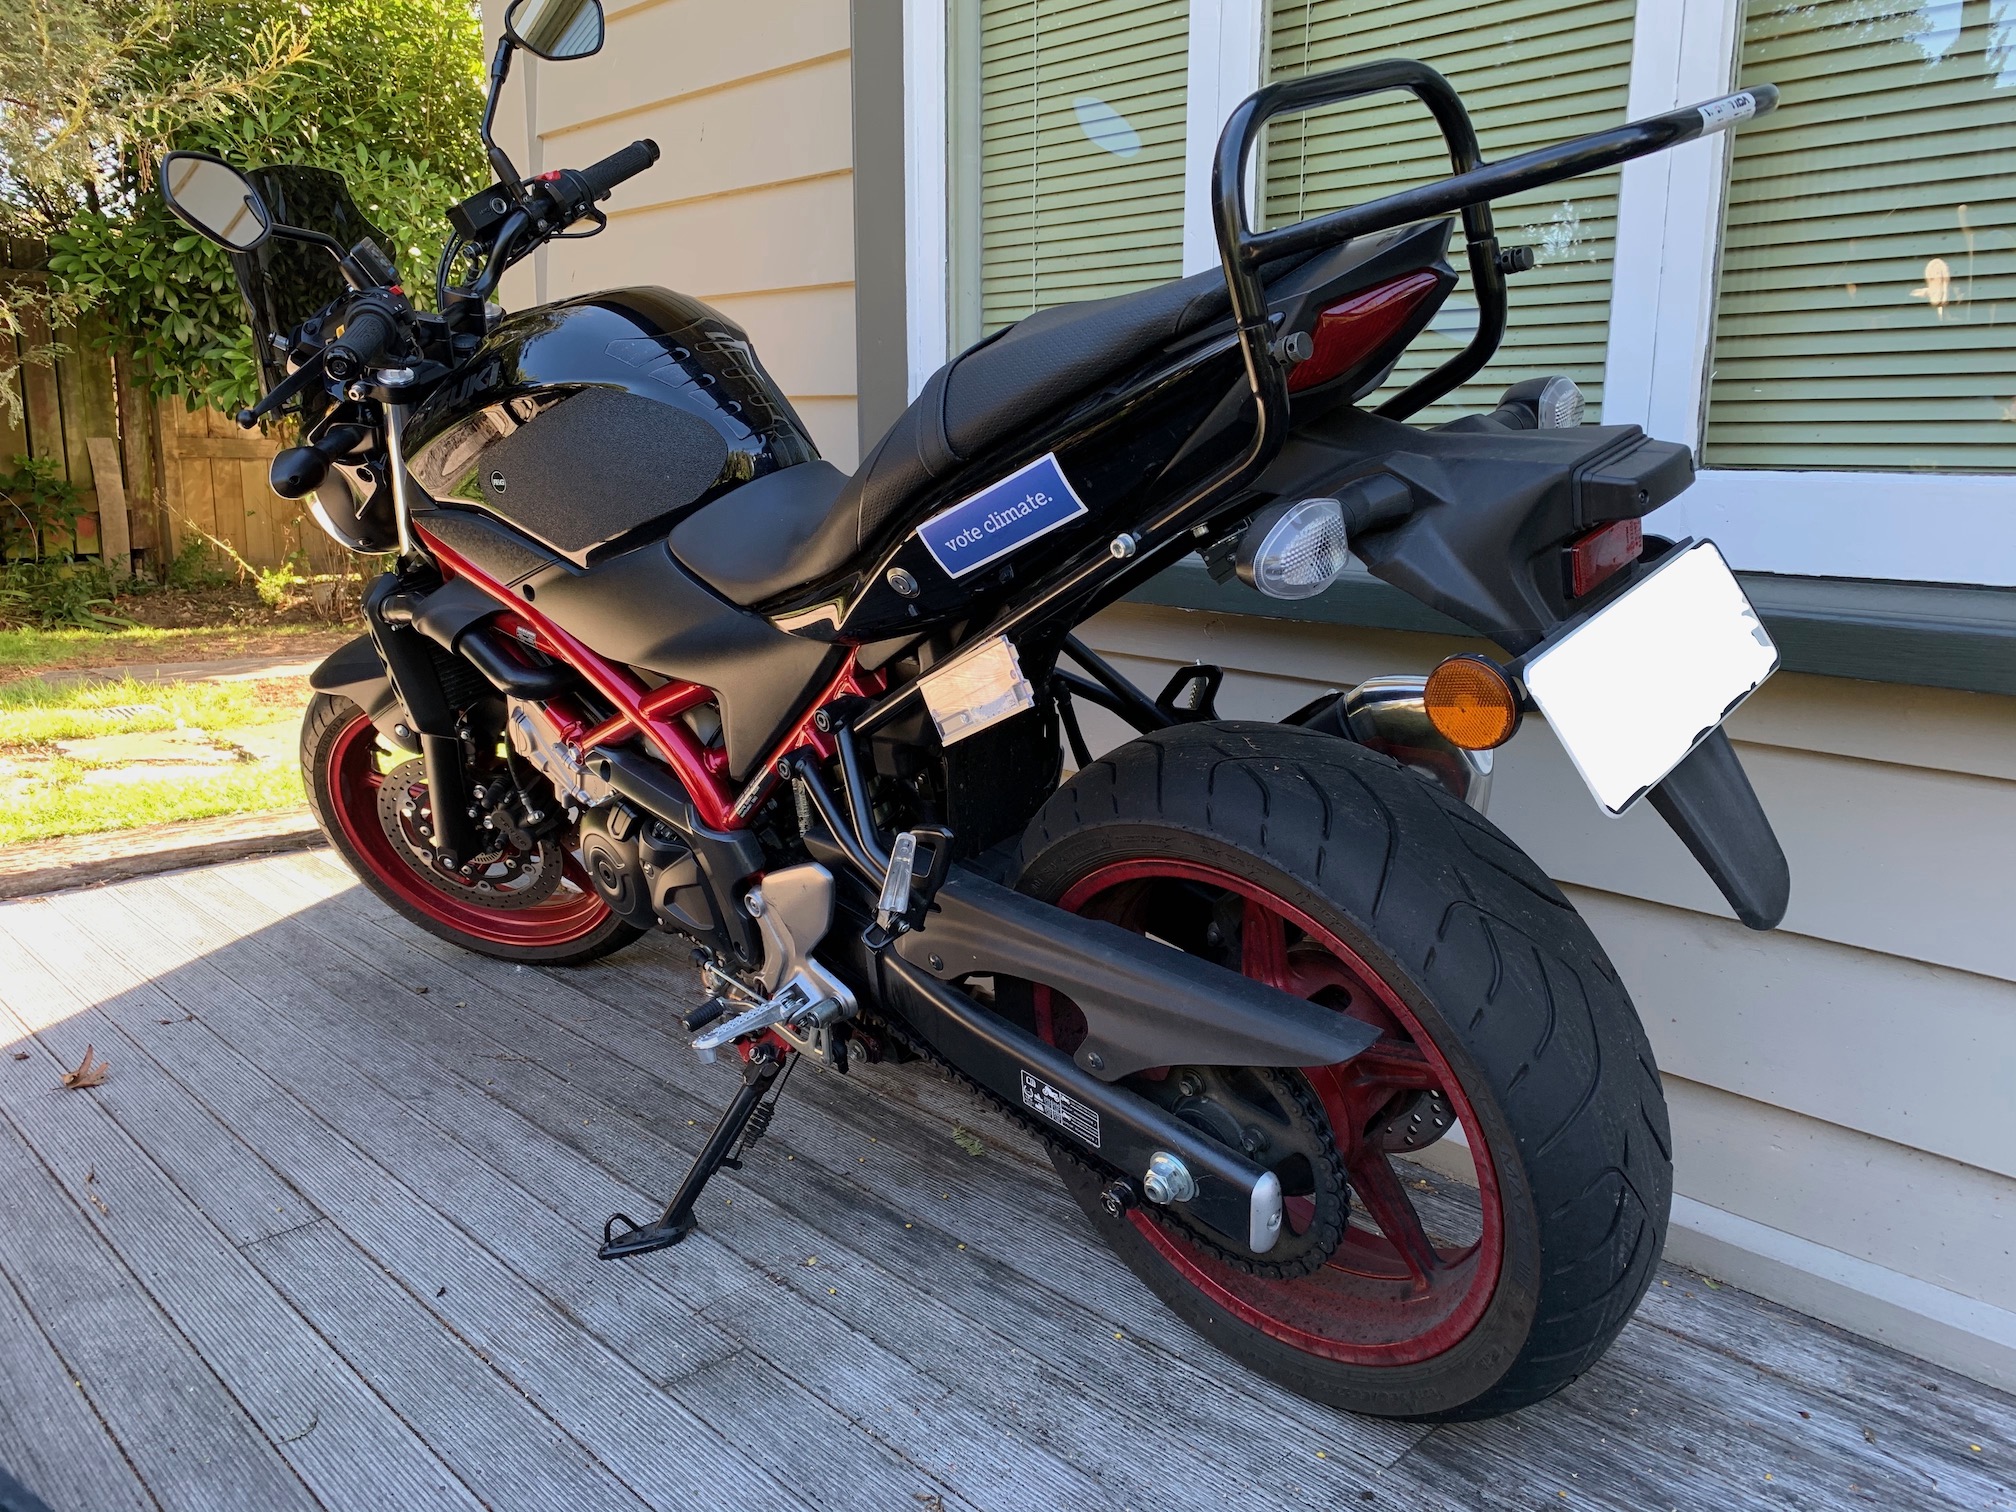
[1923,634]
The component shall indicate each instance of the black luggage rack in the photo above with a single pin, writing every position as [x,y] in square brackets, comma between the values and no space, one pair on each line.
[1470,189]
[1065,598]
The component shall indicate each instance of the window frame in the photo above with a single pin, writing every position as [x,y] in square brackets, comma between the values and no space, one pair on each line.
[1918,527]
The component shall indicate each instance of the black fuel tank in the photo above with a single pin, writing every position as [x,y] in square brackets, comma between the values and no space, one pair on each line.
[593,424]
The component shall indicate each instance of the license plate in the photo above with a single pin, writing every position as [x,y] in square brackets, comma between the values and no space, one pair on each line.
[1631,690]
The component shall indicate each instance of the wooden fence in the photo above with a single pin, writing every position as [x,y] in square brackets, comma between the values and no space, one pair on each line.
[144,472]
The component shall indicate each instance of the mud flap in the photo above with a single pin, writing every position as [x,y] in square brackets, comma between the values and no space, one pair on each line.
[1709,802]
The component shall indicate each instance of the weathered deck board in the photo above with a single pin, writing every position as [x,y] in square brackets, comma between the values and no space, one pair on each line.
[947,1194]
[397,1194]
[782,1243]
[657,1447]
[49,1433]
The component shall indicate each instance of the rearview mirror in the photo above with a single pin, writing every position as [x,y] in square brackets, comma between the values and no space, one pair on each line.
[215,199]
[556,29]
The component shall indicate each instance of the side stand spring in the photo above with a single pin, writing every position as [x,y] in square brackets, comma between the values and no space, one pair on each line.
[759,1119]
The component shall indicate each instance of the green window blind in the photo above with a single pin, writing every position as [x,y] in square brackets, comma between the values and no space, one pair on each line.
[1080,114]
[1867,314]
[1532,72]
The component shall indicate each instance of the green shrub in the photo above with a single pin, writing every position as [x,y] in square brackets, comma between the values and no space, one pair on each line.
[55,595]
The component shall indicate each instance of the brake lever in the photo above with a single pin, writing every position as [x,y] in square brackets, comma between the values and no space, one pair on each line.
[282,391]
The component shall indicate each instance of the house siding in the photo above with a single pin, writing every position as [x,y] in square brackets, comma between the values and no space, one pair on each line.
[750,207]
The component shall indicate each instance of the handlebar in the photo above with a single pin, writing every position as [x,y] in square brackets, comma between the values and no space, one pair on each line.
[364,339]
[623,163]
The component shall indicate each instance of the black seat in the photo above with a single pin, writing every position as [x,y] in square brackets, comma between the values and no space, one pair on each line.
[794,526]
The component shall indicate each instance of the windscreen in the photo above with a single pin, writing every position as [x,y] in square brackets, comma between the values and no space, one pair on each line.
[285,281]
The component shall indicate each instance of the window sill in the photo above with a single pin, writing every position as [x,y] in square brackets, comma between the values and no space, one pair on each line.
[1924,634]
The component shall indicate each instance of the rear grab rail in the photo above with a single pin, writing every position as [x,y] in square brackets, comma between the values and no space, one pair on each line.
[1470,190]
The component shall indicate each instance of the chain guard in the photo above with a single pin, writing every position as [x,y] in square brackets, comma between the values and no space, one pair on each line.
[1312,1247]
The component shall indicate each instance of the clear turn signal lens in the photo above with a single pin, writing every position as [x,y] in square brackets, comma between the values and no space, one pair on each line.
[1472,703]
[1560,405]
[1294,551]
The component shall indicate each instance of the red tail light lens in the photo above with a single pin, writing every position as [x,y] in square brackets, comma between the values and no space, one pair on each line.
[1349,332]
[1598,556]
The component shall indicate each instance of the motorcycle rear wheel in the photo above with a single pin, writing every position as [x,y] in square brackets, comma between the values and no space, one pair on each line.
[346,770]
[1339,875]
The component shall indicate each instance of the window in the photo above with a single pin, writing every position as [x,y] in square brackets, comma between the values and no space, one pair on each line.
[1867,314]
[1532,72]
[1067,142]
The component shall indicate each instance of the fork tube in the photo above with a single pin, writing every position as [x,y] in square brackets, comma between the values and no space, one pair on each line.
[395,453]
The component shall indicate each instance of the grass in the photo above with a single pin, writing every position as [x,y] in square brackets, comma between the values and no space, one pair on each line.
[56,800]
[28,650]
[47,792]
[34,713]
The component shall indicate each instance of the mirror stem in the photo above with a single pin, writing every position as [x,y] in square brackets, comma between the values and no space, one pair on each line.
[353,275]
[500,161]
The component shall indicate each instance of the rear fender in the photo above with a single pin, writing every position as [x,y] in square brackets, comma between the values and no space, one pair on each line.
[356,672]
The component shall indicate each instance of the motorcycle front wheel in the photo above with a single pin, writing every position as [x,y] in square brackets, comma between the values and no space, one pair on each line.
[1334,873]
[535,906]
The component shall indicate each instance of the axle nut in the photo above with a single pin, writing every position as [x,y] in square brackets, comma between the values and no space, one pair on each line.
[1168,1180]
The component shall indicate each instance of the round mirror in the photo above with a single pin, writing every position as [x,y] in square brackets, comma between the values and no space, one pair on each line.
[216,199]
[556,29]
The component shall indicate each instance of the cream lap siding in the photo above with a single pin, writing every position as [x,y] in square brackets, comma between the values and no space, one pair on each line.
[1867,316]
[1532,73]
[751,205]
[1080,151]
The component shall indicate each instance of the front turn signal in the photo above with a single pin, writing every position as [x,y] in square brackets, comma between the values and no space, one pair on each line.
[1472,703]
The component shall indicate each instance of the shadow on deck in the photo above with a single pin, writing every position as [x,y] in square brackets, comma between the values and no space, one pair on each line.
[325,1238]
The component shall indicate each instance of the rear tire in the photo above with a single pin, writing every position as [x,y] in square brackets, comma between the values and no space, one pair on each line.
[343,769]
[1389,899]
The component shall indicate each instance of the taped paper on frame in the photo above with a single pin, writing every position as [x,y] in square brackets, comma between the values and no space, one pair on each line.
[978,688]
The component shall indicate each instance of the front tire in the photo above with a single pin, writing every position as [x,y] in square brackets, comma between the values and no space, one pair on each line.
[1339,875]
[535,908]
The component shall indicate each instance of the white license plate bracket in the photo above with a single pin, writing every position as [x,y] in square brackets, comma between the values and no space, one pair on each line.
[1634,687]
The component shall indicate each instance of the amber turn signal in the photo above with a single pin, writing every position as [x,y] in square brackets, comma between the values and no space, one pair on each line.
[1472,702]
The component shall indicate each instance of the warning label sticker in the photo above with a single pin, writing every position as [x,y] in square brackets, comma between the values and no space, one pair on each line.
[1079,1120]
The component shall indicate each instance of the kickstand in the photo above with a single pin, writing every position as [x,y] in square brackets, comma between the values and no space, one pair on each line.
[622,1235]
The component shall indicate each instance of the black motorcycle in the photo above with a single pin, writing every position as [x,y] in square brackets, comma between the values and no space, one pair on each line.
[647,662]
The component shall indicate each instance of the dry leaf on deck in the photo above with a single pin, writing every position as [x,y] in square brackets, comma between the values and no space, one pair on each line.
[90,1072]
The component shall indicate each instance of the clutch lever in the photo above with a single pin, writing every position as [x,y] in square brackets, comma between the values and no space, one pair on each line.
[282,391]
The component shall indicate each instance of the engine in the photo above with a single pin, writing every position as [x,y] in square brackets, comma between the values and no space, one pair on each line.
[639,865]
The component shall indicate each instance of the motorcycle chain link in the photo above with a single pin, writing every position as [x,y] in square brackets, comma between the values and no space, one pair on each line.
[1250,1265]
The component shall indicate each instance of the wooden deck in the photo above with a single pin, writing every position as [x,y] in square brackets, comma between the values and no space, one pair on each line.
[324,1238]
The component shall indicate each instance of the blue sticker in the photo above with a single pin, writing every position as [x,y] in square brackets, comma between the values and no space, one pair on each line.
[996,521]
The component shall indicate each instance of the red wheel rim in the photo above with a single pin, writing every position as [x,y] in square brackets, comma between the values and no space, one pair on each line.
[1390,1296]
[354,780]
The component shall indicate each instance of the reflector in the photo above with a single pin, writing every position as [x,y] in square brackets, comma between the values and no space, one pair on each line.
[1472,703]
[1598,556]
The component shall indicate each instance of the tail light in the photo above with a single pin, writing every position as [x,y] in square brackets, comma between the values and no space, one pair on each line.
[1595,558]
[1352,330]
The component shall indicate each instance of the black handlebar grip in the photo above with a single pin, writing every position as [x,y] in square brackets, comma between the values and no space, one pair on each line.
[364,339]
[624,163]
